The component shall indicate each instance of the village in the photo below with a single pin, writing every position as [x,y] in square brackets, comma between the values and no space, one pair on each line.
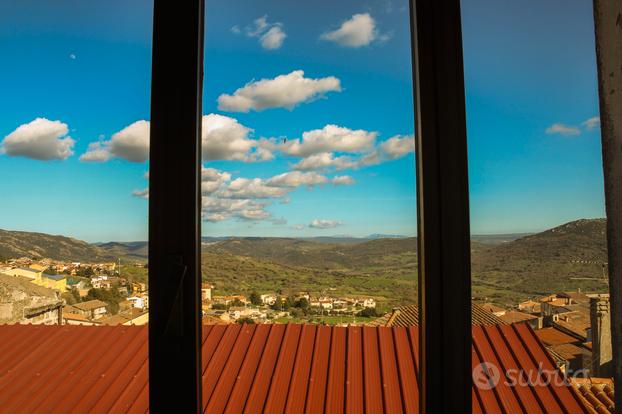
[573,326]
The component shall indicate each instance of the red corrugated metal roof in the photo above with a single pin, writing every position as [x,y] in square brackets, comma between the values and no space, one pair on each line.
[264,368]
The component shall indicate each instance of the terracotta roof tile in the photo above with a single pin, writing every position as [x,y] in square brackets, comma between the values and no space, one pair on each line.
[409,315]
[263,368]
[553,336]
[596,394]
[516,316]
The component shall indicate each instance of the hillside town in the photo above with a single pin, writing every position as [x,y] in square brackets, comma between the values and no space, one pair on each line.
[574,326]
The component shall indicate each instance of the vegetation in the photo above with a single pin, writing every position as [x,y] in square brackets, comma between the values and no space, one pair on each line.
[568,257]
[112,298]
[505,269]
[247,321]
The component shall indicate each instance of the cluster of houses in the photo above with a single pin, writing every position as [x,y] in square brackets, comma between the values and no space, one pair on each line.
[240,307]
[31,293]
[574,326]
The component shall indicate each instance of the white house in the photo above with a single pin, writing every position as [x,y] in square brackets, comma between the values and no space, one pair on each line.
[268,299]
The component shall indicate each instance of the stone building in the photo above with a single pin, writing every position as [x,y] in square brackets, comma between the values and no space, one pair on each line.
[21,301]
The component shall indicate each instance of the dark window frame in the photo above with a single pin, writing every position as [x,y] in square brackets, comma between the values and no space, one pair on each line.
[175,365]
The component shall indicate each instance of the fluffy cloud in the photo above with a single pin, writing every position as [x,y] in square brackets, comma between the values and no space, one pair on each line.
[359,30]
[324,160]
[219,209]
[252,188]
[284,91]
[331,138]
[273,38]
[398,146]
[270,35]
[224,138]
[40,139]
[324,224]
[131,143]
[338,139]
[141,193]
[562,129]
[591,123]
[212,180]
[342,180]
[296,179]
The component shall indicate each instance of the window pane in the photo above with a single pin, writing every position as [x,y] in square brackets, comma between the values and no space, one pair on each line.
[309,206]
[74,140]
[539,252]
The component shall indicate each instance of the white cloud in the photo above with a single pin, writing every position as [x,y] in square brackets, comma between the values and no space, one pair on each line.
[141,193]
[331,138]
[591,123]
[359,30]
[338,139]
[273,38]
[224,138]
[398,146]
[296,179]
[324,160]
[96,152]
[324,224]
[212,180]
[562,129]
[284,91]
[298,226]
[270,35]
[219,209]
[40,139]
[342,180]
[131,143]
[253,188]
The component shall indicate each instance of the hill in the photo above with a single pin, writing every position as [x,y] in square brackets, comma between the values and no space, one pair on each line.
[40,245]
[505,269]
[564,258]
[129,250]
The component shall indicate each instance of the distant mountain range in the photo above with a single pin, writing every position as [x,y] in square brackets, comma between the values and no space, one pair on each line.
[504,267]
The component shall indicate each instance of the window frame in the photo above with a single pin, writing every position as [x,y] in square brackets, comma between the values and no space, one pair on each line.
[175,366]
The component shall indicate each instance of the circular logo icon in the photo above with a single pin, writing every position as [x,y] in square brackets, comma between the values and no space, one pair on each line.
[486,376]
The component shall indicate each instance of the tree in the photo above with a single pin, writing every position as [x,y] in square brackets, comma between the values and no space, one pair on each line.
[85,272]
[248,321]
[302,303]
[50,271]
[368,313]
[237,302]
[255,298]
[219,306]
[111,297]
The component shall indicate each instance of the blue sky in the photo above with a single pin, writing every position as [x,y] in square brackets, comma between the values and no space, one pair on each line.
[308,117]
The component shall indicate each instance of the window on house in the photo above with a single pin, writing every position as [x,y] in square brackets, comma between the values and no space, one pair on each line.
[538,225]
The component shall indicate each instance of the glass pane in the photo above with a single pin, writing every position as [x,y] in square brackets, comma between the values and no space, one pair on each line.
[74,140]
[539,252]
[309,206]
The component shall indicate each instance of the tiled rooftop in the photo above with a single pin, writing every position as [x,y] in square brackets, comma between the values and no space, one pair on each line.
[409,315]
[553,336]
[516,316]
[262,368]
[597,394]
